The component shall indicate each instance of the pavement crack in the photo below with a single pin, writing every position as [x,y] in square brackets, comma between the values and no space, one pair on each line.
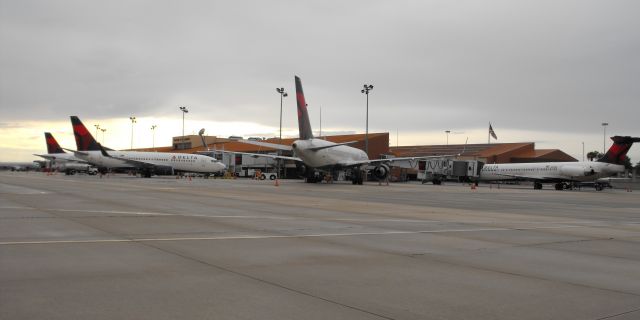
[619,314]
[271,283]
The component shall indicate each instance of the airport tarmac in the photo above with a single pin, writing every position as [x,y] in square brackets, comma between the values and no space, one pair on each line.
[82,247]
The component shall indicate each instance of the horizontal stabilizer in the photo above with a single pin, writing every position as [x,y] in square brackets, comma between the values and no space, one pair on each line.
[267,144]
[333,145]
[77,152]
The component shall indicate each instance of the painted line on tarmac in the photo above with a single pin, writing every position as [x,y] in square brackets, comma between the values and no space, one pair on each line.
[111,212]
[584,223]
[255,237]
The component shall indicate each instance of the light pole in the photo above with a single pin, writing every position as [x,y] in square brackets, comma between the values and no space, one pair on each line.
[184,110]
[367,88]
[283,94]
[320,121]
[447,132]
[97,128]
[103,130]
[604,136]
[153,135]
[133,120]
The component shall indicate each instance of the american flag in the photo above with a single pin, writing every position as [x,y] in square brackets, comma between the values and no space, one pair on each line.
[492,133]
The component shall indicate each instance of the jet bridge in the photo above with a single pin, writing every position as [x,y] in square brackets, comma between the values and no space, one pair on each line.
[440,169]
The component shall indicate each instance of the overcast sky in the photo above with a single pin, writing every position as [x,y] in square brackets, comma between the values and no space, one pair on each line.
[544,71]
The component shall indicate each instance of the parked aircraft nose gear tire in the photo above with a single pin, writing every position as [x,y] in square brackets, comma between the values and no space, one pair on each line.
[537,186]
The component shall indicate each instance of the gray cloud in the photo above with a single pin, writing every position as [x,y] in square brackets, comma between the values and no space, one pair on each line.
[529,65]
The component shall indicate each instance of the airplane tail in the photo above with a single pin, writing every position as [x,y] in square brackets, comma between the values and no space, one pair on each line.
[619,149]
[52,144]
[84,139]
[304,125]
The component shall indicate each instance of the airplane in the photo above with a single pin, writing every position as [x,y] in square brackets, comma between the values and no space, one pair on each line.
[55,153]
[56,158]
[322,156]
[148,163]
[19,166]
[564,174]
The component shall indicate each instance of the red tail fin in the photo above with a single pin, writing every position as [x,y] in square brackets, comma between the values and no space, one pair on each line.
[52,144]
[84,139]
[304,126]
[618,150]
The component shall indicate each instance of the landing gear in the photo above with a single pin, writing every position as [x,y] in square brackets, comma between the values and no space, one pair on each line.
[313,177]
[599,187]
[357,177]
[559,186]
[537,186]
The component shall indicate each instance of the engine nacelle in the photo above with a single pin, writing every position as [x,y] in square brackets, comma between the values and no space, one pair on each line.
[381,172]
[577,171]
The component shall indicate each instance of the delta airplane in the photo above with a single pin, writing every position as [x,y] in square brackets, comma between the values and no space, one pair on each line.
[55,152]
[322,156]
[564,174]
[148,163]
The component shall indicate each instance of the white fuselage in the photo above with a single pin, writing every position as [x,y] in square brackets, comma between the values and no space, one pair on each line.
[178,161]
[340,155]
[570,171]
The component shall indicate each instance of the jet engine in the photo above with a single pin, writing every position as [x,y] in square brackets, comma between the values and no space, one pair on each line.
[381,172]
[577,171]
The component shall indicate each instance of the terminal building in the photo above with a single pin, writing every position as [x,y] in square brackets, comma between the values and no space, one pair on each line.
[378,148]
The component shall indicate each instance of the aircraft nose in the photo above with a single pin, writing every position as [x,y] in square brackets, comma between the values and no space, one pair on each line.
[222,166]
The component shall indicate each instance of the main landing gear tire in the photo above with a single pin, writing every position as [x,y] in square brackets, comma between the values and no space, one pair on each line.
[559,186]
[537,186]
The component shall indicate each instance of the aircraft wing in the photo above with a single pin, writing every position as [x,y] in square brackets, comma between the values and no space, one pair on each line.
[76,152]
[45,156]
[333,145]
[268,145]
[135,163]
[255,155]
[50,157]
